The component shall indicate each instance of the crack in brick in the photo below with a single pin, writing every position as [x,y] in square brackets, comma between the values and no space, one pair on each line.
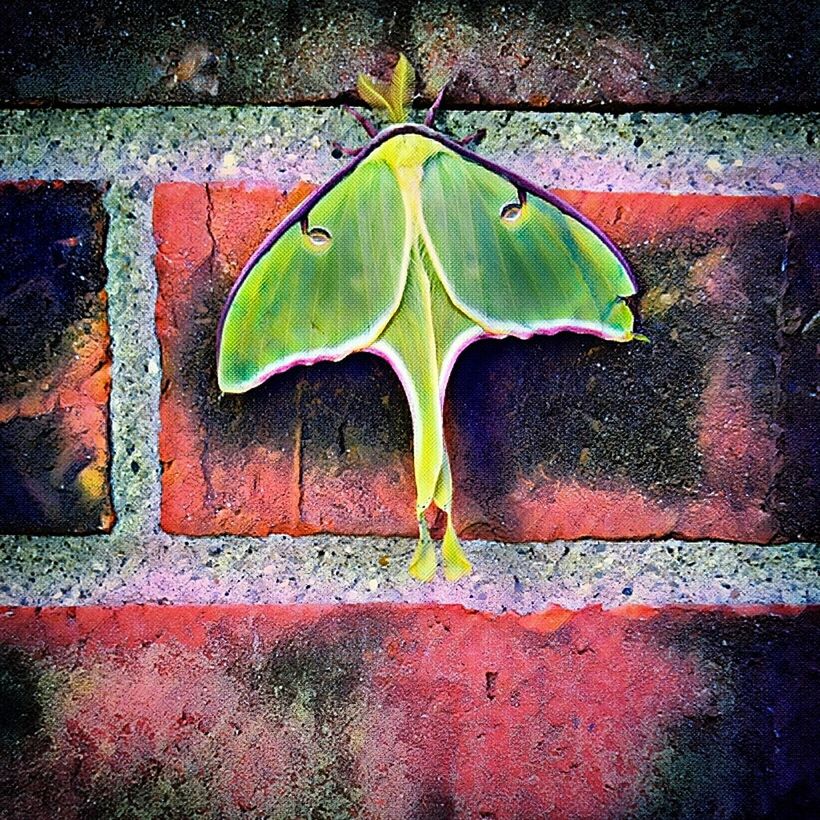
[211,262]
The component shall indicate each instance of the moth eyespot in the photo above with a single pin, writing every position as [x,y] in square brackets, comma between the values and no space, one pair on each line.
[511,212]
[319,237]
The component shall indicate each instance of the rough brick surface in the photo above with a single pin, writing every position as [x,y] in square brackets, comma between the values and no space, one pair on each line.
[228,462]
[408,712]
[566,437]
[54,360]
[558,437]
[252,463]
[798,490]
[502,52]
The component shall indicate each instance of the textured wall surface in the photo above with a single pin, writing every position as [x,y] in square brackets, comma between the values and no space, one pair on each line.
[681,436]
[205,606]
[54,360]
[408,712]
[632,54]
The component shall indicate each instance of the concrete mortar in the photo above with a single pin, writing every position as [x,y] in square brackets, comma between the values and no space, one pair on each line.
[134,149]
[710,153]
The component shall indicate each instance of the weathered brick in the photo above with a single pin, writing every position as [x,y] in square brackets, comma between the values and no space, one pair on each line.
[228,461]
[356,446]
[797,495]
[408,711]
[566,436]
[54,360]
[558,437]
[252,464]
[501,52]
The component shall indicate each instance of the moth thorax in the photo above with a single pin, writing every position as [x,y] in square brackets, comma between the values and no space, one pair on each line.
[408,150]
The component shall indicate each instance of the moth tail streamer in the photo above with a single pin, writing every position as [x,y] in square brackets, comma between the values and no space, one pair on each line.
[456,564]
[423,565]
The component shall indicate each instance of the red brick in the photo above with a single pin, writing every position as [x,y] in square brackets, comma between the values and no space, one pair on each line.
[567,437]
[357,463]
[559,437]
[54,360]
[217,478]
[389,711]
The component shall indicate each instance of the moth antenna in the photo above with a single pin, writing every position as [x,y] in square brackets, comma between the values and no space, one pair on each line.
[477,136]
[430,117]
[341,150]
[522,197]
[303,224]
[365,123]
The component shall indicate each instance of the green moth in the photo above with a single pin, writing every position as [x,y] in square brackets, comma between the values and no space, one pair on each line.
[414,250]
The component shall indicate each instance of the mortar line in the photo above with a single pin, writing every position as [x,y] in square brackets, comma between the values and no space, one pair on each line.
[593,151]
[135,383]
[420,107]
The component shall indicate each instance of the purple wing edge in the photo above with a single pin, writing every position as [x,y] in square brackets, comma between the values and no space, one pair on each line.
[296,215]
[303,210]
[538,191]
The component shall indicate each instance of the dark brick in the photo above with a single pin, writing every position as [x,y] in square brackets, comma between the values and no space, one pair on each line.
[357,466]
[54,359]
[563,437]
[758,742]
[20,709]
[505,52]
[51,475]
[797,495]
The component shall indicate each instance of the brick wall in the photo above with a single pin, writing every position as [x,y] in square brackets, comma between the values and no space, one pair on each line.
[205,605]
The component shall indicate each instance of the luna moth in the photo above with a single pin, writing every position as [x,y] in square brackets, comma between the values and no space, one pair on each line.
[413,251]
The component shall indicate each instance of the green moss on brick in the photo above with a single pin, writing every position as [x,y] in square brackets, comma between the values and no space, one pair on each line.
[155,793]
